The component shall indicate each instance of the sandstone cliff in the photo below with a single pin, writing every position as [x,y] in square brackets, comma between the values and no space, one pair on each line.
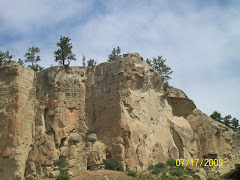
[45,116]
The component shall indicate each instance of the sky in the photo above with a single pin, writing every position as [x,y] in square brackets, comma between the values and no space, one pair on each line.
[199,39]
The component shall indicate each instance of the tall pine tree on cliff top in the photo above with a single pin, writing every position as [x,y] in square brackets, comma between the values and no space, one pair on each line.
[64,53]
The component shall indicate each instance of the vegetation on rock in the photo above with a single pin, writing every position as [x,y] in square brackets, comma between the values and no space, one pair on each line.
[5,56]
[90,131]
[91,62]
[32,58]
[160,65]
[171,162]
[21,62]
[227,120]
[64,53]
[112,164]
[115,54]
[132,173]
[83,61]
[64,175]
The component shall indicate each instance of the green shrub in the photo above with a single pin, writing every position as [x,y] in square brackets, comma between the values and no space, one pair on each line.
[189,172]
[160,165]
[131,173]
[90,131]
[63,174]
[62,162]
[171,162]
[63,171]
[156,170]
[178,171]
[63,177]
[112,164]
[150,167]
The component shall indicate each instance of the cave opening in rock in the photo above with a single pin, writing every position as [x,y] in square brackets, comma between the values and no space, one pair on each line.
[62,141]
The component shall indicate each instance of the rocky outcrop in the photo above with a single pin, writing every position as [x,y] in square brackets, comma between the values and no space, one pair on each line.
[47,115]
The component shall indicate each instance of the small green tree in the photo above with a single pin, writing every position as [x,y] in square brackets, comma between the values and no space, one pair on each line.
[235,124]
[115,54]
[149,61]
[227,120]
[91,62]
[37,67]
[216,116]
[5,56]
[160,65]
[32,58]
[20,61]
[64,53]
[2,58]
[8,57]
[84,61]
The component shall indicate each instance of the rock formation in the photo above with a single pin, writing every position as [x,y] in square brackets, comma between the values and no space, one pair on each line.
[46,115]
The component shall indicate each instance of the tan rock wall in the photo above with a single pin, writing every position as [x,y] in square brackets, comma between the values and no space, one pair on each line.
[16,119]
[46,115]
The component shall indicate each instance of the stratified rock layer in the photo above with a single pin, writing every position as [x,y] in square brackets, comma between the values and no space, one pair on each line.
[45,116]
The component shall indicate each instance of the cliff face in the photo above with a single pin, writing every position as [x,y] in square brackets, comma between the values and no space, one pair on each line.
[45,116]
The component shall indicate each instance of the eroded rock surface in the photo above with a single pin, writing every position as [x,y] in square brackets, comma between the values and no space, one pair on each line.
[46,115]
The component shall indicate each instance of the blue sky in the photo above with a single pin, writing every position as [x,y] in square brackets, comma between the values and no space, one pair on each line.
[199,39]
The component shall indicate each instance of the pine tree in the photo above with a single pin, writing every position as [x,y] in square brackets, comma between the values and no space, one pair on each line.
[2,58]
[8,57]
[20,61]
[235,124]
[64,53]
[32,58]
[91,62]
[227,120]
[160,65]
[115,54]
[216,116]
[84,61]
[5,56]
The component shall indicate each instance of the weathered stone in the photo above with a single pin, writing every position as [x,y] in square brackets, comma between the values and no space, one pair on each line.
[200,176]
[92,137]
[97,155]
[53,174]
[187,177]
[70,173]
